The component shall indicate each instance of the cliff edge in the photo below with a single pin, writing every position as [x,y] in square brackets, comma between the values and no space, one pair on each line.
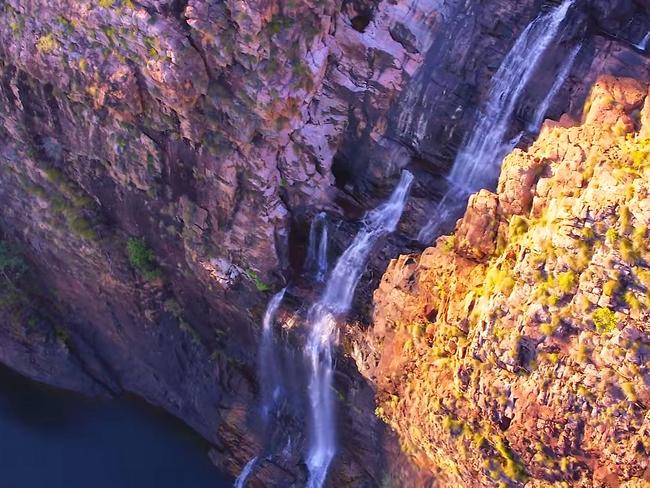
[516,351]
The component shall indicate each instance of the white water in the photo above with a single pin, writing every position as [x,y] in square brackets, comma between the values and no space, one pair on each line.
[269,370]
[540,113]
[322,255]
[245,473]
[643,45]
[477,163]
[316,261]
[269,374]
[335,302]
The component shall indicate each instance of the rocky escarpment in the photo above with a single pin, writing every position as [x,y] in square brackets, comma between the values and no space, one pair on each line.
[161,161]
[515,352]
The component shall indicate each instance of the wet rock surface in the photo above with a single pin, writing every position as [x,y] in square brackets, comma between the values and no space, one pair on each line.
[215,131]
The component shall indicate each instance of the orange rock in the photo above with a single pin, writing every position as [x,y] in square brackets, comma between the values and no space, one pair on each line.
[477,232]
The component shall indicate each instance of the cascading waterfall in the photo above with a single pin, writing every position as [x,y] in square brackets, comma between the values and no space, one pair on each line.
[269,374]
[245,473]
[477,163]
[542,109]
[643,45]
[316,261]
[334,303]
[268,368]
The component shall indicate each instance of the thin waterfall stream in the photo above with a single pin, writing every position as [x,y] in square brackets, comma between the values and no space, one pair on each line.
[316,261]
[268,367]
[563,74]
[335,302]
[643,45]
[477,164]
[245,473]
[270,375]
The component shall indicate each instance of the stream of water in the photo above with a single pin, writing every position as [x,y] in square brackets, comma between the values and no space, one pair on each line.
[316,261]
[334,303]
[477,164]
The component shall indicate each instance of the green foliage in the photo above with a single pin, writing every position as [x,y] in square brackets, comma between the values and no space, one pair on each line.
[513,469]
[150,44]
[625,219]
[81,227]
[142,258]
[47,43]
[629,391]
[499,279]
[54,175]
[279,23]
[610,287]
[449,243]
[627,251]
[632,301]
[611,236]
[518,227]
[106,3]
[259,284]
[604,320]
[566,281]
[17,26]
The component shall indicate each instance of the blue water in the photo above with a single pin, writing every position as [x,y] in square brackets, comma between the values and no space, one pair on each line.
[50,439]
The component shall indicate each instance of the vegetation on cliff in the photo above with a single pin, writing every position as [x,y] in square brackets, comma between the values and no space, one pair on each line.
[516,352]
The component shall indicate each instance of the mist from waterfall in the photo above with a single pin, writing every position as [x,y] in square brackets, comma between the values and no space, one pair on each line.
[477,164]
[335,302]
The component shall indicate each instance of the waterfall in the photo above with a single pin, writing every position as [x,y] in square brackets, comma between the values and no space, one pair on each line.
[269,374]
[334,303]
[316,261]
[540,113]
[322,255]
[643,45]
[477,163]
[245,473]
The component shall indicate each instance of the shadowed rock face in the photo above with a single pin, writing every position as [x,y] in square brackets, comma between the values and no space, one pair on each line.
[524,335]
[215,131]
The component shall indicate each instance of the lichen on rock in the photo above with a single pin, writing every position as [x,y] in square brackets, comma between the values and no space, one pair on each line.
[517,352]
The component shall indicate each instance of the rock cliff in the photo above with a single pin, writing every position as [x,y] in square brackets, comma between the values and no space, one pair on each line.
[161,161]
[516,351]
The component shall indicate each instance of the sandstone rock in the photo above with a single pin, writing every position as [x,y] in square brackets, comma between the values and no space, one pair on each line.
[477,232]
[523,376]
[213,131]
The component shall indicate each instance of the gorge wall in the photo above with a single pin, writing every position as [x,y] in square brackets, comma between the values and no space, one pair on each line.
[208,134]
[517,350]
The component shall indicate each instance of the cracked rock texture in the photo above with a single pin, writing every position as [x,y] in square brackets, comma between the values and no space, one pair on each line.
[516,351]
[214,130]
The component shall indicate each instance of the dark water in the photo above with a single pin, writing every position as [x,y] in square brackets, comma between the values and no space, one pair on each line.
[50,439]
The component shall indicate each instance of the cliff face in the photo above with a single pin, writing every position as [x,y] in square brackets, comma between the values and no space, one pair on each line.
[161,162]
[516,351]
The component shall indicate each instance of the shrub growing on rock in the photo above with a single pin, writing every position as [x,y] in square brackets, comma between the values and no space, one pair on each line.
[142,258]
[604,320]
